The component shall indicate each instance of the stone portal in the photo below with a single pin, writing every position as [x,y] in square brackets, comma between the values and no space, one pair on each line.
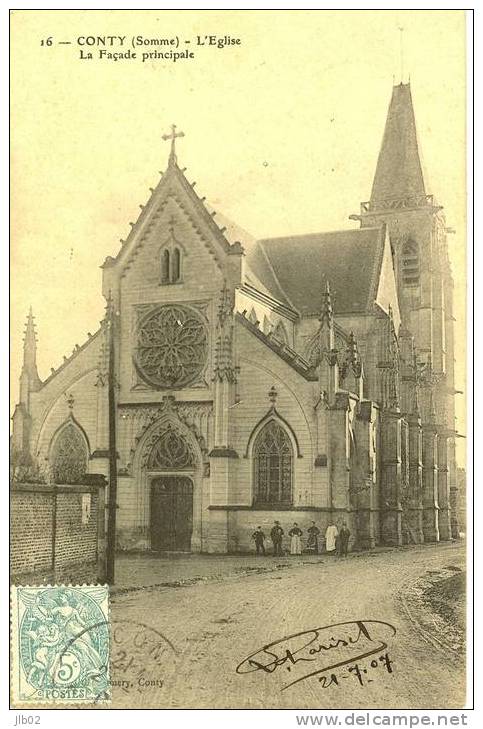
[171,513]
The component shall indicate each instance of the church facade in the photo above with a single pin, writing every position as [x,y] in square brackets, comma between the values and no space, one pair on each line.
[299,379]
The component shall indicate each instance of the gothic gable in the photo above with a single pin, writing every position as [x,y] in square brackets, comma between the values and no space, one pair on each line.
[173,221]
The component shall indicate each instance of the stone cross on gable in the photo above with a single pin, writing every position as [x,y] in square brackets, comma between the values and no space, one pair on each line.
[173,137]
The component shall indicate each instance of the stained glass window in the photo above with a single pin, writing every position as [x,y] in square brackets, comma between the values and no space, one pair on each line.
[171,347]
[273,458]
[69,455]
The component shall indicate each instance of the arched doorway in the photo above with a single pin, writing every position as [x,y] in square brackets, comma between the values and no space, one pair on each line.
[170,465]
[171,513]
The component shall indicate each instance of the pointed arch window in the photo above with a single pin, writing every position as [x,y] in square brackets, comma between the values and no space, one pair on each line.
[410,264]
[165,266]
[273,465]
[171,261]
[69,455]
[176,269]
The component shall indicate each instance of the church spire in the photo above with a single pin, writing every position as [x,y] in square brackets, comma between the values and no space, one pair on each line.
[30,347]
[29,378]
[399,173]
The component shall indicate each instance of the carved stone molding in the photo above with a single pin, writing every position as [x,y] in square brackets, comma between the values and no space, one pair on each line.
[137,418]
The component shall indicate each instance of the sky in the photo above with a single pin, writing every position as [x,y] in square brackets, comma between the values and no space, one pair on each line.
[282,133]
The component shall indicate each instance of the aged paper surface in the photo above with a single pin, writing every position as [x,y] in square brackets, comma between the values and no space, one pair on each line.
[238,324]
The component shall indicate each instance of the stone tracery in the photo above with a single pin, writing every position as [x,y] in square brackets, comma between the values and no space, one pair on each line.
[170,451]
[171,347]
[69,455]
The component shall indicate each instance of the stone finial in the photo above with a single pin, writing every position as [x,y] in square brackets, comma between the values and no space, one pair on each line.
[272,395]
[327,311]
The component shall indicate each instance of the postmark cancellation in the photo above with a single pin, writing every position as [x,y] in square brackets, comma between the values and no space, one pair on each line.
[60,644]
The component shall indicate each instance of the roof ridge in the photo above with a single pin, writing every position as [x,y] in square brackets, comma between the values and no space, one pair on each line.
[323,232]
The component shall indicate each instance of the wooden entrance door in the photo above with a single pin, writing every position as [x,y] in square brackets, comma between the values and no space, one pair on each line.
[171,513]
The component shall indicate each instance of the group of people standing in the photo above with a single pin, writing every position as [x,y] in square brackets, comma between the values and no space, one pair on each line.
[336,539]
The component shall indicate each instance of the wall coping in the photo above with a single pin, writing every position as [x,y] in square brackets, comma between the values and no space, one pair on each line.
[55,488]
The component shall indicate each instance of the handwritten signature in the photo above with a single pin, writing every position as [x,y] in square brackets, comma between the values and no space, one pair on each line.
[322,650]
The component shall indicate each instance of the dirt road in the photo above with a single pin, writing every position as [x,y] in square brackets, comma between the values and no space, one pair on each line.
[179,647]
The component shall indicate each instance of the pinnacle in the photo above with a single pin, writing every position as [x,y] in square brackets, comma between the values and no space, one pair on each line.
[327,312]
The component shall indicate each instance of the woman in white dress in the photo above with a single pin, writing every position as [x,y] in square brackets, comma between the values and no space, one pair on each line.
[331,534]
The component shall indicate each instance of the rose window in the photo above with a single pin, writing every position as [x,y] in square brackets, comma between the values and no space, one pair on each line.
[171,347]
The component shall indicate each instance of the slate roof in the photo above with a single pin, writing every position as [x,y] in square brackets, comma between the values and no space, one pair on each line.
[295,268]
[399,171]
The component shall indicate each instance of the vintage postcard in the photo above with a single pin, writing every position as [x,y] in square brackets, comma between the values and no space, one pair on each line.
[238,359]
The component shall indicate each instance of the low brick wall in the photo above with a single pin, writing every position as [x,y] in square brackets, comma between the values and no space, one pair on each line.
[57,533]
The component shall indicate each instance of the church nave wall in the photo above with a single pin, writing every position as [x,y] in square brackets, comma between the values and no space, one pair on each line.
[79,401]
[291,404]
[76,378]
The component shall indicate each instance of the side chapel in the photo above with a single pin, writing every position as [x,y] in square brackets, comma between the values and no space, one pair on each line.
[307,377]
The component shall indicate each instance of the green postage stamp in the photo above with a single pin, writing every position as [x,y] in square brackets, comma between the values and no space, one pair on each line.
[60,644]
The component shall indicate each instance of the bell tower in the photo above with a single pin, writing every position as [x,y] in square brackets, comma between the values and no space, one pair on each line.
[417,231]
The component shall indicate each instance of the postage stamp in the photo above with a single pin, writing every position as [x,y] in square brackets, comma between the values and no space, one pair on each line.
[60,644]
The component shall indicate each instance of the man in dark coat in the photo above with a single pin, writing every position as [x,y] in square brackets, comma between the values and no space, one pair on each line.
[344,535]
[276,535]
[259,538]
[313,540]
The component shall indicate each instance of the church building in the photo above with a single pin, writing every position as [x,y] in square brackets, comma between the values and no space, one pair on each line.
[301,378]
